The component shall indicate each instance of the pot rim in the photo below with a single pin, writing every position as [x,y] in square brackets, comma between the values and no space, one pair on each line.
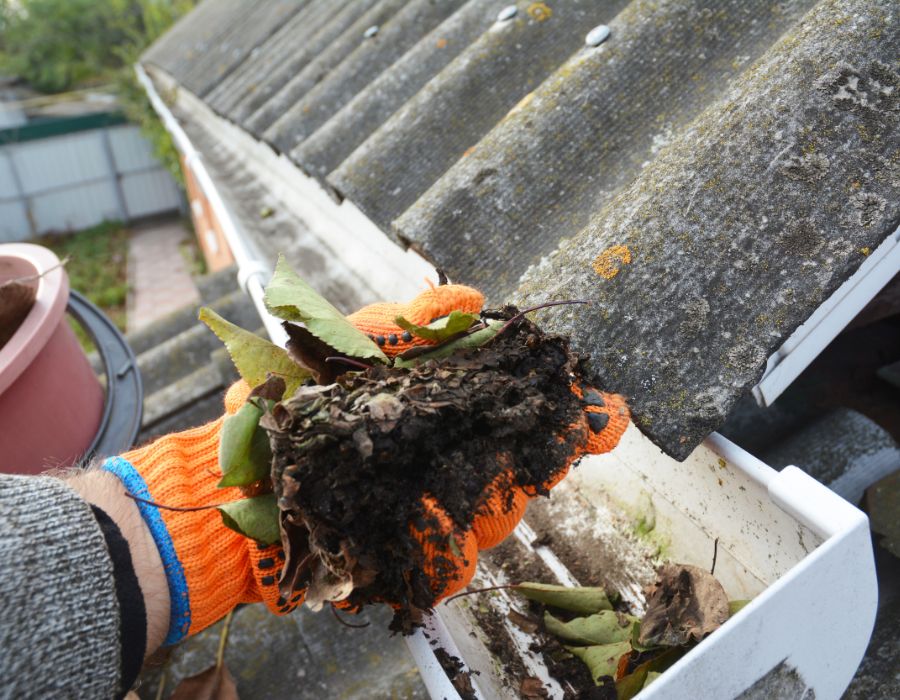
[44,317]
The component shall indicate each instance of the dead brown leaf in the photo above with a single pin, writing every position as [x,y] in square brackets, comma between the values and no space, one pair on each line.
[533,689]
[309,352]
[270,390]
[215,683]
[685,604]
[525,623]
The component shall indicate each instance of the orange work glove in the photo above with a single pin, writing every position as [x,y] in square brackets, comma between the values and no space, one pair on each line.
[604,421]
[209,568]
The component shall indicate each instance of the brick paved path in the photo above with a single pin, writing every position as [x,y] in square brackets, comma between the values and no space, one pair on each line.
[158,276]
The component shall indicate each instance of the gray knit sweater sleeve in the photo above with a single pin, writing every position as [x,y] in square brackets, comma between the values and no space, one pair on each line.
[59,615]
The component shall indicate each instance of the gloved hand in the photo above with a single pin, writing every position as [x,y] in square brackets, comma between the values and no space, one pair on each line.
[210,568]
[604,421]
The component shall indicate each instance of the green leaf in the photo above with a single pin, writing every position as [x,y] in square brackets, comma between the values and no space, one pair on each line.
[289,297]
[244,452]
[585,600]
[736,605]
[604,627]
[256,518]
[602,660]
[255,357]
[469,342]
[651,676]
[643,675]
[635,637]
[440,330]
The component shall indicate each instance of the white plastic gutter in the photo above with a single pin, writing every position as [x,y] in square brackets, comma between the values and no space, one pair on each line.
[253,272]
[810,339]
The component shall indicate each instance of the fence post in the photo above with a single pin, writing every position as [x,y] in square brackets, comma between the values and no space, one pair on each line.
[20,190]
[114,174]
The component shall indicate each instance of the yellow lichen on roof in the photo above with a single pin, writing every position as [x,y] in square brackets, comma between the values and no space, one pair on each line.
[610,261]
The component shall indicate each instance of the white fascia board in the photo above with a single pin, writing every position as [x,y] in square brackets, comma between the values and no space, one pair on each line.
[811,338]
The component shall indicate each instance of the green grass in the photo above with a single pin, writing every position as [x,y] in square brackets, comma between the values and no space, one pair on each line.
[97,268]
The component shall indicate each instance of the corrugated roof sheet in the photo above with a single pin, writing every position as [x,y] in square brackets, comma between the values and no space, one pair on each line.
[706,177]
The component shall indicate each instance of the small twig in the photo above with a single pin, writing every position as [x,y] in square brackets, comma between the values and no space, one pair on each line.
[715,555]
[482,590]
[345,623]
[223,639]
[37,276]
[348,361]
[442,277]
[545,305]
[161,688]
[180,509]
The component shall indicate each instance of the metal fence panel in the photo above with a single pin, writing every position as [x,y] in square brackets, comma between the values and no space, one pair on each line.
[75,208]
[60,161]
[9,188]
[14,224]
[131,151]
[76,180]
[149,192]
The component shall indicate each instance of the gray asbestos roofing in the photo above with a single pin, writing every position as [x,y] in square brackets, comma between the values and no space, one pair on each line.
[706,177]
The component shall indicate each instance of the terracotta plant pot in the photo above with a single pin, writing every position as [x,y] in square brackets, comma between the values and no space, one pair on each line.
[51,403]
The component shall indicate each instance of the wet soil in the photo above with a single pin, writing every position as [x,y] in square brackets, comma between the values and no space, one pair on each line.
[356,461]
[457,673]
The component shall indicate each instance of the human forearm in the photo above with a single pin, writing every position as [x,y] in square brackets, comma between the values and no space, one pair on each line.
[106,492]
[59,621]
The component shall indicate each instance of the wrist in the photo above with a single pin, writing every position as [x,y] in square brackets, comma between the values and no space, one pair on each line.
[105,491]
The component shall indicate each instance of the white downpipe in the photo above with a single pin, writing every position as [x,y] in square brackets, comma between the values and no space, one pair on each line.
[253,273]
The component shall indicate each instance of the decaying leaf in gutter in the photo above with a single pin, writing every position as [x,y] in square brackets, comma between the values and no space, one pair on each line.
[584,600]
[602,660]
[645,673]
[532,688]
[604,627]
[735,606]
[684,605]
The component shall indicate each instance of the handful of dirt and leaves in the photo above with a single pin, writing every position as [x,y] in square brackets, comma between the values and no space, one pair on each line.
[339,448]
[598,650]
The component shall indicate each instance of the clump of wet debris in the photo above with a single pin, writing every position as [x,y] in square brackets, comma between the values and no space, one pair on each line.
[355,461]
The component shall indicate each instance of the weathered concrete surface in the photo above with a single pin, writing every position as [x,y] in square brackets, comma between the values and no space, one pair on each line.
[371,57]
[208,43]
[270,55]
[303,655]
[739,229]
[305,49]
[782,682]
[832,445]
[550,164]
[353,28]
[878,676]
[412,149]
[325,149]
